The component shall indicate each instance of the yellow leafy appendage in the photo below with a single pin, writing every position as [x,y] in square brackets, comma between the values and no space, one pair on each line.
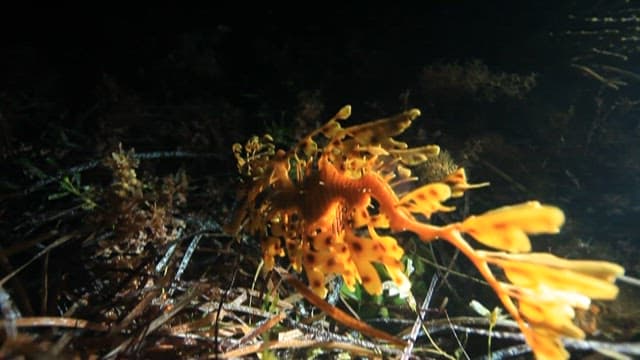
[329,207]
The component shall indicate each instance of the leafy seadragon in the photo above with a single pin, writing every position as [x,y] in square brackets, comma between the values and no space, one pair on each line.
[331,208]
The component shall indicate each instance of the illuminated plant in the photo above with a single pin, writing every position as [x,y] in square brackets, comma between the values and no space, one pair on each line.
[332,202]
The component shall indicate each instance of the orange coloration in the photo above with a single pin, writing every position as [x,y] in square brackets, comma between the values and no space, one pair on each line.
[332,209]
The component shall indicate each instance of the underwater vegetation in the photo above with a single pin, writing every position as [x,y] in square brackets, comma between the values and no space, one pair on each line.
[606,39]
[473,79]
[336,202]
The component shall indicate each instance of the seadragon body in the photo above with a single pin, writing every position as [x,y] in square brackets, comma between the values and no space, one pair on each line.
[332,209]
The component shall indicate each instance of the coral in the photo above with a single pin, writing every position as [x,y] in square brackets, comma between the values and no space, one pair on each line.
[333,202]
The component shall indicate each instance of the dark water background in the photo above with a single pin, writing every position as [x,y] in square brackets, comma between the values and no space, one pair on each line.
[91,70]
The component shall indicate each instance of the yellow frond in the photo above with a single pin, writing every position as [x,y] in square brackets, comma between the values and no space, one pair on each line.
[369,276]
[427,200]
[506,228]
[590,278]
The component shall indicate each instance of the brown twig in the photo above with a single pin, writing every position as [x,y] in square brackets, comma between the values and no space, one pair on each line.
[51,321]
[341,316]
